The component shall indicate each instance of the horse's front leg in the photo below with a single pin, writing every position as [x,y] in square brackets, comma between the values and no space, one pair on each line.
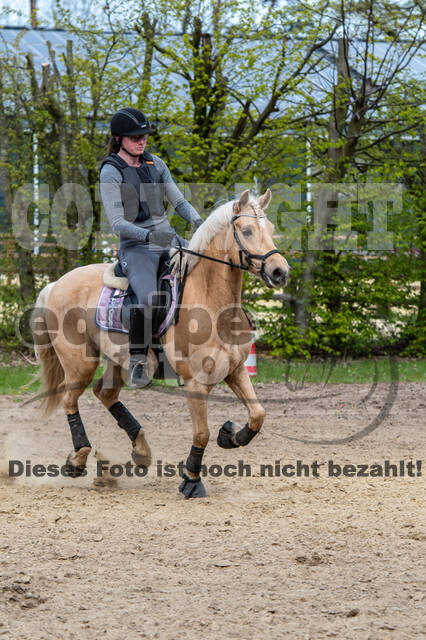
[229,437]
[197,394]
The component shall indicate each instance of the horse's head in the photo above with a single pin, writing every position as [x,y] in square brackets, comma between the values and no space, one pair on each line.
[252,243]
[239,234]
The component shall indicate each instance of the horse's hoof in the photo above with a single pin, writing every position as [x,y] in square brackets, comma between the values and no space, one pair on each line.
[192,488]
[225,435]
[141,460]
[75,464]
[74,471]
[141,453]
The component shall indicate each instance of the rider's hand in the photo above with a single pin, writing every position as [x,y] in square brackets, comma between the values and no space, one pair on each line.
[198,223]
[161,238]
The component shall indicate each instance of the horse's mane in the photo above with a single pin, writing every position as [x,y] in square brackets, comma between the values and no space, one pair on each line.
[217,220]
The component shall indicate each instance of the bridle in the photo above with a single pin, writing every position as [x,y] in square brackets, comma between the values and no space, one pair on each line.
[243,252]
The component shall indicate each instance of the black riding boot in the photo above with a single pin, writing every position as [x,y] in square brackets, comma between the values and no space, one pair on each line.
[138,347]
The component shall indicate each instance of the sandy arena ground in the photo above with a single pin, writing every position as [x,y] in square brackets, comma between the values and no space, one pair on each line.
[261,557]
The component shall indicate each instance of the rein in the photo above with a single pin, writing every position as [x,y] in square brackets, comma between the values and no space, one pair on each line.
[243,251]
[203,255]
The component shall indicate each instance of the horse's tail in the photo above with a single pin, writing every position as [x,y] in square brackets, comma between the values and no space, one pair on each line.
[52,373]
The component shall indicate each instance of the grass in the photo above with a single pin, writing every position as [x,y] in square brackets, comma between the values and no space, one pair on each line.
[20,379]
[343,372]
[17,379]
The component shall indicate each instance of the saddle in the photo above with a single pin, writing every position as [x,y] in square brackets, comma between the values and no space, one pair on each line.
[117,297]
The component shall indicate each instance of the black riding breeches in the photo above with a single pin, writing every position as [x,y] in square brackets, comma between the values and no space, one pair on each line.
[140,264]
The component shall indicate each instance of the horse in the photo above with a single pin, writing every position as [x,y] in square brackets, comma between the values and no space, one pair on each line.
[236,237]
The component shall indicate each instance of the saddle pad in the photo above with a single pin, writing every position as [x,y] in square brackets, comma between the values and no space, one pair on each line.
[110,305]
[108,310]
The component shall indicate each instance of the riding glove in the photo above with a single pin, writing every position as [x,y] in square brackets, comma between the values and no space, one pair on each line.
[161,238]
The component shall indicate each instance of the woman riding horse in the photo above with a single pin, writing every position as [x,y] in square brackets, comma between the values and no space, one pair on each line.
[133,184]
[236,237]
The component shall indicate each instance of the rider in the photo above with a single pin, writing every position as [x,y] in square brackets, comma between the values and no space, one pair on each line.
[133,184]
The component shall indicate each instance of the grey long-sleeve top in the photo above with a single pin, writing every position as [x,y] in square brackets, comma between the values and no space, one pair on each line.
[110,179]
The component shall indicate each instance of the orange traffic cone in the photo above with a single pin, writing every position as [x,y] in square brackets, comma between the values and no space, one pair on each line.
[251,364]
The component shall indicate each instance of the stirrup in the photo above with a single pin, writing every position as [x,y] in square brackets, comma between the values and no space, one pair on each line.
[138,376]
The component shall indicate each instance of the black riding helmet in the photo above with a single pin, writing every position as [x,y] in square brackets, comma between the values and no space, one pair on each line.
[130,122]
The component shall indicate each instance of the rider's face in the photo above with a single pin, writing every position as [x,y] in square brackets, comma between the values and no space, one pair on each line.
[135,144]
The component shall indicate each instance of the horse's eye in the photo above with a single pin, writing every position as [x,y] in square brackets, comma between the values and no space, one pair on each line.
[247,232]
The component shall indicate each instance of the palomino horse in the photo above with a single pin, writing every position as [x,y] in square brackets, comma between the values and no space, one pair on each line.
[235,237]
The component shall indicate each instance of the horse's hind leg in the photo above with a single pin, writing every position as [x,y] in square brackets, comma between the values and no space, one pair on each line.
[107,389]
[78,375]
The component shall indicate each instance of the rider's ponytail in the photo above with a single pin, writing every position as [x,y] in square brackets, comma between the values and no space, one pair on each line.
[113,145]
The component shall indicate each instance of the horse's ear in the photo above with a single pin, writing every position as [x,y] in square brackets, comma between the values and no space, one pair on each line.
[265,199]
[244,198]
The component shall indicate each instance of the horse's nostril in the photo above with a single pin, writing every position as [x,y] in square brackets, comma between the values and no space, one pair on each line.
[279,275]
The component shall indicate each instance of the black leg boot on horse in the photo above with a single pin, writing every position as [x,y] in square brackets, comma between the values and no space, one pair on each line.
[138,348]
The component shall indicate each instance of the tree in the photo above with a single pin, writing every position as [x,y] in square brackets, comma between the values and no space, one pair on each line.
[16,168]
[61,106]
[366,107]
[219,74]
